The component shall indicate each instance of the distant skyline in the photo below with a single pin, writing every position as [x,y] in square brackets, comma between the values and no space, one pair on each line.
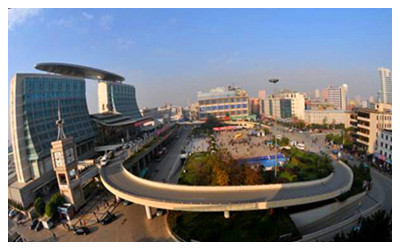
[170,54]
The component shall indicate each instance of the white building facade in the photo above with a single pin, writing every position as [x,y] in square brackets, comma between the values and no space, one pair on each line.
[338,96]
[385,87]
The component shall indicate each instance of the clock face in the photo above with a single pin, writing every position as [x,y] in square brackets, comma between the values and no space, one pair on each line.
[69,155]
[58,159]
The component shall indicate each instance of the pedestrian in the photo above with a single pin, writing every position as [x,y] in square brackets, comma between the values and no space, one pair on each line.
[54,235]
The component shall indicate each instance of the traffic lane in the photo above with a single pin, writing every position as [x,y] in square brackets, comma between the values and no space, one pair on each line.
[121,180]
[170,160]
[385,184]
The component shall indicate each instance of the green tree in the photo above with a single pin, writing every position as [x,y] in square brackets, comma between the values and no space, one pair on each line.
[253,177]
[300,124]
[284,142]
[325,121]
[39,206]
[51,210]
[57,199]
[221,177]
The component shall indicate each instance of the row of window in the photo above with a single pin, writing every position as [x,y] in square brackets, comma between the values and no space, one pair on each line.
[223,107]
[37,84]
[122,89]
[236,112]
[387,137]
[226,100]
[48,95]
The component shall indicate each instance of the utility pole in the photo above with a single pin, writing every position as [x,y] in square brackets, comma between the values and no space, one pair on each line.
[274,81]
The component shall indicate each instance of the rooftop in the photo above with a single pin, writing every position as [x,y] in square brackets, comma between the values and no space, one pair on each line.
[66,69]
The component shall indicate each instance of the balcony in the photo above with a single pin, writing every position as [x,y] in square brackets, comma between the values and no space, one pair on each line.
[362,142]
[363,126]
[363,118]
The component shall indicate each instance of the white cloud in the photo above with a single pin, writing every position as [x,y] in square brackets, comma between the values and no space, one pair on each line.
[19,16]
[106,21]
[87,15]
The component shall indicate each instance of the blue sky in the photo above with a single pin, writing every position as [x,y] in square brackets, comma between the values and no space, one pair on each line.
[170,54]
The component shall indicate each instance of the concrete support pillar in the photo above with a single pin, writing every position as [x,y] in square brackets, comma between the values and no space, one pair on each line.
[137,166]
[144,162]
[226,214]
[148,212]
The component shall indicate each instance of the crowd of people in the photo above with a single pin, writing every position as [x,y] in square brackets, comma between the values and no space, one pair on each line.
[242,144]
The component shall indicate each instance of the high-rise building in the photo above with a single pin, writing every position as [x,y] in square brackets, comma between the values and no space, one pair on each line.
[367,123]
[255,106]
[280,109]
[338,96]
[262,94]
[385,87]
[317,94]
[118,97]
[325,94]
[34,100]
[223,102]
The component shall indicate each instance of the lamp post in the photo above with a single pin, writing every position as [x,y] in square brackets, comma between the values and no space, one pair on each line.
[274,81]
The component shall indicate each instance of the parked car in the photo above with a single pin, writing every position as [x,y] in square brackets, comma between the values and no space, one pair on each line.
[335,151]
[12,213]
[19,216]
[108,219]
[160,212]
[33,224]
[350,157]
[39,226]
[81,230]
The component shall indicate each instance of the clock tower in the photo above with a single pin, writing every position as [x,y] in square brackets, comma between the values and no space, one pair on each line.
[65,165]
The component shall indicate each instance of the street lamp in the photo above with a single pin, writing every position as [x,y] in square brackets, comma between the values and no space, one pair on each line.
[275,81]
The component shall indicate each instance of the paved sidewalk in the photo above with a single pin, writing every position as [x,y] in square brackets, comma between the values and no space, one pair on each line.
[94,210]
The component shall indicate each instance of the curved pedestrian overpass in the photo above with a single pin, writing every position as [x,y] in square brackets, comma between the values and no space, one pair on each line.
[129,187]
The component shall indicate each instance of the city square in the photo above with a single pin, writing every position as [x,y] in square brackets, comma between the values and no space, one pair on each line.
[239,150]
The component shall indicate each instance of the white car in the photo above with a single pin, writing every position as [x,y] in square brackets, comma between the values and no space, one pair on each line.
[104,161]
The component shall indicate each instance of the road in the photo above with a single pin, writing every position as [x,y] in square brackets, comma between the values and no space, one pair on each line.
[381,191]
[192,198]
[168,169]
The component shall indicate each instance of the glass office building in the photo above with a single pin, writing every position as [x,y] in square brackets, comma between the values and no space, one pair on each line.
[286,108]
[34,100]
[118,97]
